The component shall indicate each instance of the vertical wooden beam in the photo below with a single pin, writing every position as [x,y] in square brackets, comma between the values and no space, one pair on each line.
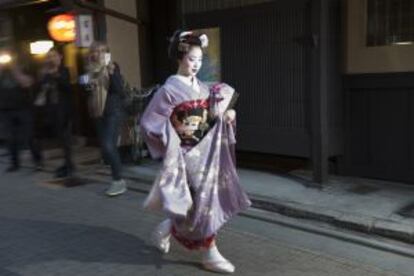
[164,22]
[100,33]
[319,93]
[145,45]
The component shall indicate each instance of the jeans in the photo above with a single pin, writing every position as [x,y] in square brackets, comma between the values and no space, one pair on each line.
[108,128]
[57,119]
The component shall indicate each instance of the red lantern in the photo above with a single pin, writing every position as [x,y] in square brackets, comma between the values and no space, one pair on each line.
[62,28]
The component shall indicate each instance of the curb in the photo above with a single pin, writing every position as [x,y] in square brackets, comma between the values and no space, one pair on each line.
[355,222]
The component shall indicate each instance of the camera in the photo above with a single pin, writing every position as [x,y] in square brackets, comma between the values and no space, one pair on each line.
[107,58]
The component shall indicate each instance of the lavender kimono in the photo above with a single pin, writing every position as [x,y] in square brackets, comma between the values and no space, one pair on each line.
[197,186]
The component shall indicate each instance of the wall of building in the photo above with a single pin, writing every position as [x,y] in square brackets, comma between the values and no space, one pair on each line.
[379,126]
[362,59]
[122,38]
[379,105]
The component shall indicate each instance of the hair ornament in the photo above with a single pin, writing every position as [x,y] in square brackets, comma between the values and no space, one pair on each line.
[184,34]
[204,40]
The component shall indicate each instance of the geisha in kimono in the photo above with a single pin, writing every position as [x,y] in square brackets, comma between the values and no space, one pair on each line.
[191,127]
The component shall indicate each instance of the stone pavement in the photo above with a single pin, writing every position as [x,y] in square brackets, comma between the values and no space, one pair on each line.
[46,229]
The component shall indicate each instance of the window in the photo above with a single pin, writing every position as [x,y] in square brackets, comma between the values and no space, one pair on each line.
[390,22]
[5,30]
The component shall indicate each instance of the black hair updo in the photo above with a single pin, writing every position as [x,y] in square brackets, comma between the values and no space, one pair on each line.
[181,43]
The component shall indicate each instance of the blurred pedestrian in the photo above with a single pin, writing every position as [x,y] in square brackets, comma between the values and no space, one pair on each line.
[15,109]
[56,92]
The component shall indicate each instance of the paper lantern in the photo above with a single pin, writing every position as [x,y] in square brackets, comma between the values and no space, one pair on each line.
[62,28]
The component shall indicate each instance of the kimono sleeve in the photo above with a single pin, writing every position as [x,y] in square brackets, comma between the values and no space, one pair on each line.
[154,122]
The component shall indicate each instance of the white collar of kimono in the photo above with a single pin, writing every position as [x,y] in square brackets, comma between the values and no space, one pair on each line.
[192,82]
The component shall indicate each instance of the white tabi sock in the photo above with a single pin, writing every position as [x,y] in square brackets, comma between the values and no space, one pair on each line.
[161,236]
[213,260]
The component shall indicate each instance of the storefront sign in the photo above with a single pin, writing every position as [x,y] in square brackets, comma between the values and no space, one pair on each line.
[84,30]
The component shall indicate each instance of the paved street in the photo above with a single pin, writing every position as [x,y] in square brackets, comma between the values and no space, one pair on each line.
[47,229]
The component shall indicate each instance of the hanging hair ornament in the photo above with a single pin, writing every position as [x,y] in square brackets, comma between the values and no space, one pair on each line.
[184,34]
[183,46]
[204,40]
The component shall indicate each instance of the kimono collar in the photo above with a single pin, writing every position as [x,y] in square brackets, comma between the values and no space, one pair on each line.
[193,83]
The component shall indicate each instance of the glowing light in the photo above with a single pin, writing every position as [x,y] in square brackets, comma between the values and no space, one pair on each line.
[5,58]
[41,47]
[62,28]
[403,43]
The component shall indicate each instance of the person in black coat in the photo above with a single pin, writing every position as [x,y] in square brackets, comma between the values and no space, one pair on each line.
[58,99]
[16,112]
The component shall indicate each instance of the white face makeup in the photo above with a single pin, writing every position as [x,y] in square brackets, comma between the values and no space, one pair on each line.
[191,63]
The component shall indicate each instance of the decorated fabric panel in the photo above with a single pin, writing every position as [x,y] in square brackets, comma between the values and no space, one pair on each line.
[191,121]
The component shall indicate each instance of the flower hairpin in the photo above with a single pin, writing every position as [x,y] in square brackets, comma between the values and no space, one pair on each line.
[182,45]
[215,92]
[204,40]
[216,88]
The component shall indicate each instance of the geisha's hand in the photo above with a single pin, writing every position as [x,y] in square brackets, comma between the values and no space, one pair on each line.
[230,116]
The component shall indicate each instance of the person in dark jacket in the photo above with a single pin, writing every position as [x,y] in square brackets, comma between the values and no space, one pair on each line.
[105,106]
[58,98]
[15,109]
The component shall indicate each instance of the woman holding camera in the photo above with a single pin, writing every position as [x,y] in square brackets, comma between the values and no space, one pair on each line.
[105,106]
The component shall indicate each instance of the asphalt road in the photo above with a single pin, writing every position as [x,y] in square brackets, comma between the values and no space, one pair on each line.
[48,229]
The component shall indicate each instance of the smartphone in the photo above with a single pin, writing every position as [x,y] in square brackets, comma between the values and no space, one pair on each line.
[84,79]
[107,58]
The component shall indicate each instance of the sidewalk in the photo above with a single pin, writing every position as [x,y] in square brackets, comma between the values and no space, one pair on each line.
[366,205]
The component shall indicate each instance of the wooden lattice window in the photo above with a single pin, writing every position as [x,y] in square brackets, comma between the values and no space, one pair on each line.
[390,22]
[5,30]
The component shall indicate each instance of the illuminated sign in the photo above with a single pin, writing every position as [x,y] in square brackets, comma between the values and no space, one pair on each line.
[41,47]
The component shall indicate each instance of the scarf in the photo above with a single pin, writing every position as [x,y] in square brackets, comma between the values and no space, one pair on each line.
[99,80]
